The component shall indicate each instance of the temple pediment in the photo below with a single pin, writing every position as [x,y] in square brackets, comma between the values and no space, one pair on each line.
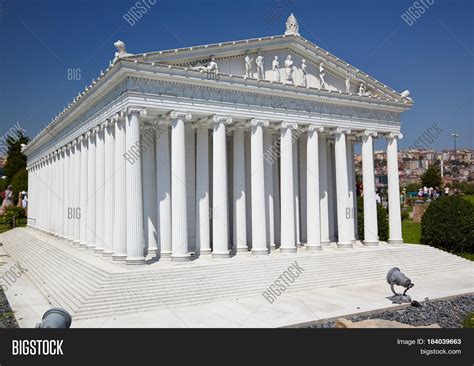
[288,59]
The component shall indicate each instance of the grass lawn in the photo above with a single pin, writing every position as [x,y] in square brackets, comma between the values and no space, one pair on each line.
[470,198]
[412,235]
[411,232]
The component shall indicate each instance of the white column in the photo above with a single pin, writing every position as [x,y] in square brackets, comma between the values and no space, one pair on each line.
[120,191]
[40,196]
[354,190]
[220,222]
[134,197]
[77,193]
[50,195]
[163,182]
[54,198]
[149,189]
[324,190]
[99,190]
[179,227]
[29,169]
[91,196]
[109,193]
[287,203]
[61,211]
[274,158]
[342,188]
[239,239]
[312,189]
[296,189]
[83,195]
[259,237]
[68,194]
[269,194]
[203,244]
[350,185]
[394,215]
[370,204]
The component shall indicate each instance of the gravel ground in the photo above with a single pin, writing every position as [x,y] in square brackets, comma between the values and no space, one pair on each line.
[446,313]
[7,319]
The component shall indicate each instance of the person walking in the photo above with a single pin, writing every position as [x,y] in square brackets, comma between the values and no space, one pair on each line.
[8,199]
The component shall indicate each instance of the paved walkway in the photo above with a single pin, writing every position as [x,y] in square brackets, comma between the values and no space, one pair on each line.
[218,293]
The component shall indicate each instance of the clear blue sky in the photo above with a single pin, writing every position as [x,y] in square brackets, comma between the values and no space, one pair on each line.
[433,58]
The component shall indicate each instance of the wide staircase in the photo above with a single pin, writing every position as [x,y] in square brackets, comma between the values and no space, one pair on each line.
[89,286]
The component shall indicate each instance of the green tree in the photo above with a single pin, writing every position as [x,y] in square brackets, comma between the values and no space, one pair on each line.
[413,187]
[19,183]
[16,160]
[431,178]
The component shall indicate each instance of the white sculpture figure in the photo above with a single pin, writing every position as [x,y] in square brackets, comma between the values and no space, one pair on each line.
[212,66]
[304,71]
[321,76]
[292,26]
[288,69]
[406,94]
[121,52]
[348,85]
[362,89]
[260,68]
[248,66]
[276,69]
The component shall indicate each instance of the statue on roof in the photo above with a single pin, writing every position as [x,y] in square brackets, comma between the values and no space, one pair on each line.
[322,82]
[260,68]
[276,69]
[248,66]
[304,71]
[121,51]
[292,27]
[288,69]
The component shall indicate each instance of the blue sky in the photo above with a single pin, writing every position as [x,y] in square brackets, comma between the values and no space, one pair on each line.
[433,58]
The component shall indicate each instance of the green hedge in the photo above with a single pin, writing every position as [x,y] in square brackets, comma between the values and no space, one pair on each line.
[448,223]
[7,218]
[382,220]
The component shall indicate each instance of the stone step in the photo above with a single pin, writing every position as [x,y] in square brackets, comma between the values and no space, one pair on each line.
[210,290]
[90,286]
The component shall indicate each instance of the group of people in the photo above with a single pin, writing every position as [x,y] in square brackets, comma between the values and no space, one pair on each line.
[430,193]
[7,199]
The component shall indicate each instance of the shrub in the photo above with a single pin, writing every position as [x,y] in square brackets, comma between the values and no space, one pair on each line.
[448,223]
[469,321]
[19,183]
[12,212]
[382,220]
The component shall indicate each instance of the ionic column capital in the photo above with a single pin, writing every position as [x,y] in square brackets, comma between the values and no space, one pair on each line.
[138,111]
[288,125]
[259,122]
[221,119]
[109,122]
[340,130]
[177,115]
[95,130]
[394,135]
[314,128]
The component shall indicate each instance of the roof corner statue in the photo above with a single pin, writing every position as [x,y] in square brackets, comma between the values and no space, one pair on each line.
[121,51]
[292,26]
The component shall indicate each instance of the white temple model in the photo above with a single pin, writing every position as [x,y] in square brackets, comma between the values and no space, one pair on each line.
[186,152]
